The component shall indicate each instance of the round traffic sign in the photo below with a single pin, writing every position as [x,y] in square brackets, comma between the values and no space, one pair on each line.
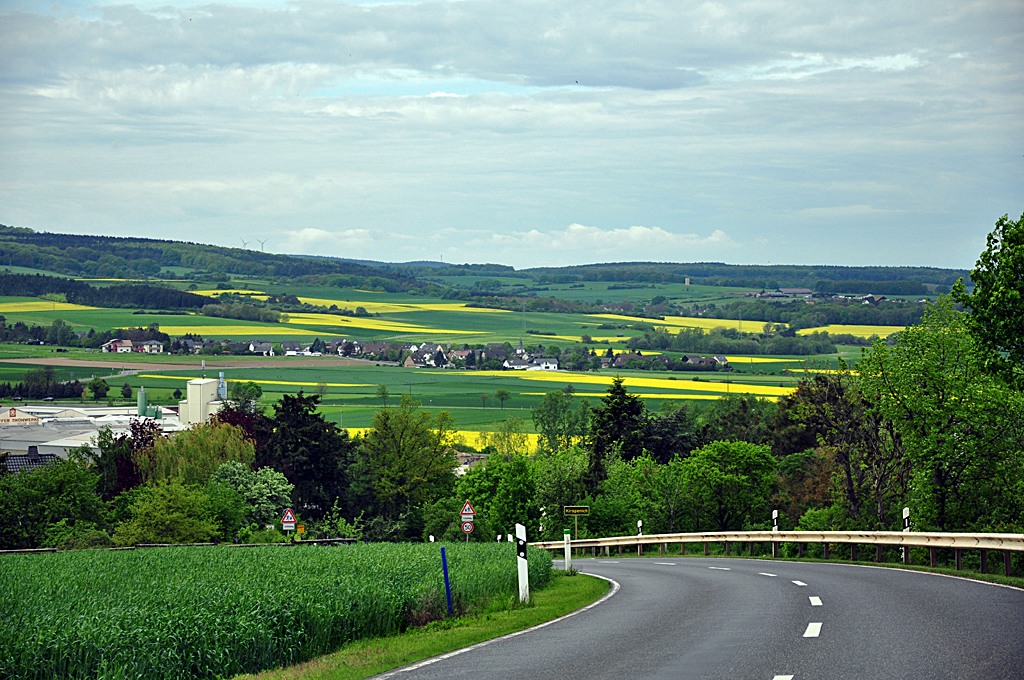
[467,527]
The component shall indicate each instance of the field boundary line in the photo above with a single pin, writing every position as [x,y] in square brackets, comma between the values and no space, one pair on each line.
[441,657]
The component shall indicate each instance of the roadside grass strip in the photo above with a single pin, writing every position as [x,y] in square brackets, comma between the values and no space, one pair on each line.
[365,658]
[41,306]
[203,612]
[859,331]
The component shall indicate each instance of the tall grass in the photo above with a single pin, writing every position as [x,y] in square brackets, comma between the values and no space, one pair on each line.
[220,611]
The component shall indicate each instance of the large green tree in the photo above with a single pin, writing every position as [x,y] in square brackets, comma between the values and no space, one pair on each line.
[561,425]
[405,462]
[617,426]
[31,501]
[730,484]
[963,428]
[312,453]
[997,301]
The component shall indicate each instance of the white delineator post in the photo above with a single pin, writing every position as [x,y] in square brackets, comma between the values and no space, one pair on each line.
[906,528]
[775,528]
[639,532]
[568,550]
[524,574]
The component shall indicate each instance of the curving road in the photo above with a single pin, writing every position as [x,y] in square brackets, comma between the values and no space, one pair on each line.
[727,618]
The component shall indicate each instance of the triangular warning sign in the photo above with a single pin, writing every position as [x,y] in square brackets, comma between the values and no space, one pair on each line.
[467,509]
[289,517]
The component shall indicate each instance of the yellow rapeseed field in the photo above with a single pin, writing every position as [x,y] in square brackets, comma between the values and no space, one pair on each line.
[40,306]
[859,331]
[470,437]
[636,382]
[366,322]
[258,382]
[689,322]
[252,331]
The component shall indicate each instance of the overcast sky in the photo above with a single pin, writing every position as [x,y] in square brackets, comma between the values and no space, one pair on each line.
[521,132]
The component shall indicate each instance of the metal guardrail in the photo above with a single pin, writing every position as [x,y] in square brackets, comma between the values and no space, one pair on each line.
[1005,543]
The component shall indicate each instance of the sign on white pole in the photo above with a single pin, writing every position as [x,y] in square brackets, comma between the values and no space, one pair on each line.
[568,550]
[524,574]
[288,521]
[639,527]
[775,520]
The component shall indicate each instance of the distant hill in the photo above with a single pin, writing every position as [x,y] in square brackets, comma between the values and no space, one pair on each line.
[116,257]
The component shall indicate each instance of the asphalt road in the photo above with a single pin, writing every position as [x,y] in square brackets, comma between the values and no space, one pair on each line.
[759,619]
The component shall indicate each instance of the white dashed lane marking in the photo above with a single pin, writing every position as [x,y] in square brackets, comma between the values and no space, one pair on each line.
[813,630]
[815,601]
[721,568]
[764,573]
[783,677]
[667,564]
[800,583]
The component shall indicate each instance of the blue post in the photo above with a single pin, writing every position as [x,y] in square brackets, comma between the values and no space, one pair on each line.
[447,585]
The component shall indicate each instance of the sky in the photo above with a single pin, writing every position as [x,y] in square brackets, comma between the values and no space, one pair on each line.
[520,132]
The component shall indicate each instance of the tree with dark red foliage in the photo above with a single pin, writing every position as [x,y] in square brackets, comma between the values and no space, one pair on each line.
[258,429]
[115,460]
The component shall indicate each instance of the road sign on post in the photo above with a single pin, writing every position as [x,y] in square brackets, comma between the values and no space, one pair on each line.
[467,527]
[288,521]
[575,511]
[524,574]
[468,513]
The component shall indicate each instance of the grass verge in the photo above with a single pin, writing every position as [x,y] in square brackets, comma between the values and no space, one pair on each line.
[365,658]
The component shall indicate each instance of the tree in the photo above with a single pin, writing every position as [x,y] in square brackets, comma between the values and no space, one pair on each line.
[618,424]
[193,455]
[998,296]
[321,389]
[266,491]
[245,395]
[382,393]
[31,501]
[115,460]
[169,512]
[405,461]
[126,391]
[484,398]
[730,484]
[961,425]
[313,454]
[318,346]
[177,393]
[561,425]
[502,395]
[510,439]
[99,388]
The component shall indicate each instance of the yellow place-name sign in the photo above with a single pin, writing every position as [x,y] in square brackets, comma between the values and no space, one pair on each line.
[576,510]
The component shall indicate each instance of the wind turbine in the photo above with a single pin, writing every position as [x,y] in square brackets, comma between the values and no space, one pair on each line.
[262,242]
[244,242]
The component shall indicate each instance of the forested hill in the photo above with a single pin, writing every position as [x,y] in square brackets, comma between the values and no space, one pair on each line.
[116,257]
[817,277]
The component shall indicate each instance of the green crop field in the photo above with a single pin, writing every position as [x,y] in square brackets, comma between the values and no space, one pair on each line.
[220,611]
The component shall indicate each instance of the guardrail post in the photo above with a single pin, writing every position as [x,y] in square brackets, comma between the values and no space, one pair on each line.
[727,549]
[827,552]
[959,558]
[853,552]
[878,554]
[620,551]
[800,549]
[682,549]
[1006,562]
[706,549]
[931,557]
[906,555]
[751,550]
[984,561]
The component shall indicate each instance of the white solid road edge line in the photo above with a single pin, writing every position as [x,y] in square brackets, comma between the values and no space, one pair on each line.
[815,601]
[813,630]
[442,657]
